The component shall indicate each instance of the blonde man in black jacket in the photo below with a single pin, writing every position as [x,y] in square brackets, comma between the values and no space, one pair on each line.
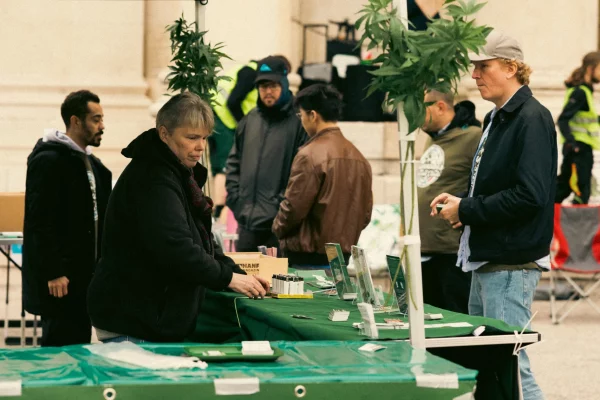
[508,210]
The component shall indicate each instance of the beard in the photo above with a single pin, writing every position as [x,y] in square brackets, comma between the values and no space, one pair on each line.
[92,139]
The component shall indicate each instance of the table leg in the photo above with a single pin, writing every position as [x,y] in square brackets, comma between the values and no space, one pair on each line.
[35,331]
[7,298]
[23,327]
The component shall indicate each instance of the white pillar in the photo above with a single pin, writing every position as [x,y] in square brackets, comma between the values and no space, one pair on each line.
[52,48]
[551,53]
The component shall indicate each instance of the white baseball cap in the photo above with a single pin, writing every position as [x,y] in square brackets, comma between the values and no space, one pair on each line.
[499,45]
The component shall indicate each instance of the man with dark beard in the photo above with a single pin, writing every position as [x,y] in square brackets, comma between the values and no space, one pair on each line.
[66,194]
[454,134]
[260,162]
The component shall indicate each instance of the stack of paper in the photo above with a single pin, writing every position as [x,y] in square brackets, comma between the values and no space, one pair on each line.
[257,348]
[339,315]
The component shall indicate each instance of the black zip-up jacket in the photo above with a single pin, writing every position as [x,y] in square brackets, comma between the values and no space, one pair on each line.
[59,231]
[511,212]
[155,266]
[260,162]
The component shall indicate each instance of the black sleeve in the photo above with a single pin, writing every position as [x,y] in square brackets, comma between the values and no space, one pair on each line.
[227,261]
[536,147]
[243,86]
[577,102]
[46,214]
[232,169]
[165,235]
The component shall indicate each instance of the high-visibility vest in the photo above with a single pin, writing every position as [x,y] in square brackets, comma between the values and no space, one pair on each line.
[584,124]
[222,94]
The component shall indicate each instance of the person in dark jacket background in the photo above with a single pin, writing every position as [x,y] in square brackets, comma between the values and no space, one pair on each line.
[158,251]
[578,124]
[454,135]
[233,100]
[508,211]
[259,165]
[66,194]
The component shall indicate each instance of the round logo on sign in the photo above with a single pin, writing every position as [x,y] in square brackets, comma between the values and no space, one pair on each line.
[432,165]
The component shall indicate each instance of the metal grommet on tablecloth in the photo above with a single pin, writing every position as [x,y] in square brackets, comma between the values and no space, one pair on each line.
[110,394]
[300,391]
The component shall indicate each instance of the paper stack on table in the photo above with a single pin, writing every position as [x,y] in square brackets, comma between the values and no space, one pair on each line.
[339,315]
[257,348]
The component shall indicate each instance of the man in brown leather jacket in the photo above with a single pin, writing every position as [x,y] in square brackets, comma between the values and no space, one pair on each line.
[329,195]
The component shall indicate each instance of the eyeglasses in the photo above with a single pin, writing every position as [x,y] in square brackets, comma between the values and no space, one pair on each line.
[299,115]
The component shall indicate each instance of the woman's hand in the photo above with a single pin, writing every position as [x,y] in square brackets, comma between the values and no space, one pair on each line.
[249,285]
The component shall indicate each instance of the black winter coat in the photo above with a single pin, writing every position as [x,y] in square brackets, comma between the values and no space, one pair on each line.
[155,263]
[260,163]
[59,228]
[511,213]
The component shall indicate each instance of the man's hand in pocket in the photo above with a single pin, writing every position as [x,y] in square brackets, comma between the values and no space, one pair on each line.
[59,287]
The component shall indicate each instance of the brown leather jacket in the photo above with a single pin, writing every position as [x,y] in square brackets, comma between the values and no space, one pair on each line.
[329,196]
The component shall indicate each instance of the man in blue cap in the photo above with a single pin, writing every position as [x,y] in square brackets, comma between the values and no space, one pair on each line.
[258,168]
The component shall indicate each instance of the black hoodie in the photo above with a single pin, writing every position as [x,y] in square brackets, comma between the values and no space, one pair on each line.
[260,162]
[150,281]
[59,229]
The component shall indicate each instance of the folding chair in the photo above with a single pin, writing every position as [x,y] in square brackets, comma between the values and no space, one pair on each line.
[575,249]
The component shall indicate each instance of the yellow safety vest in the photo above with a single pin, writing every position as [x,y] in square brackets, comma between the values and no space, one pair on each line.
[584,124]
[222,94]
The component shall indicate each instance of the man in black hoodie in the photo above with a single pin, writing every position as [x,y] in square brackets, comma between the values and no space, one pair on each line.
[66,194]
[454,134]
[260,162]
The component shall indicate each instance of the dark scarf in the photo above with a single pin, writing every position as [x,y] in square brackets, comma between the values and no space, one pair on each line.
[202,211]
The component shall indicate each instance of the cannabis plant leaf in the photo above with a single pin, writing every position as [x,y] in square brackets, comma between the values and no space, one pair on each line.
[195,65]
[414,61]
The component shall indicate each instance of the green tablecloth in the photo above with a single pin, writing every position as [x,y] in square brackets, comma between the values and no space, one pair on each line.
[271,319]
[325,369]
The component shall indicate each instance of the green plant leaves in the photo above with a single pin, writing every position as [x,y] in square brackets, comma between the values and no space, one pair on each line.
[414,61]
[195,65]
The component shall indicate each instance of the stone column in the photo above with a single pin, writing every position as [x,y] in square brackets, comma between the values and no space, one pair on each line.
[554,35]
[53,48]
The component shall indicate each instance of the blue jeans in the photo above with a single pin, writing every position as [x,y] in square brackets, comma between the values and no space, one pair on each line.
[507,296]
[121,339]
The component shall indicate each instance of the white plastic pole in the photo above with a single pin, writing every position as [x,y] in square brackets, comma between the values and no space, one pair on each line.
[200,26]
[410,241]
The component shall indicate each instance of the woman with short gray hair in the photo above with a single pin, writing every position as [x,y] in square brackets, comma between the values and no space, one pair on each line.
[158,252]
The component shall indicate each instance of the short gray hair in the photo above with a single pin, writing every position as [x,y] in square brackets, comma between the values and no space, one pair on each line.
[447,97]
[185,109]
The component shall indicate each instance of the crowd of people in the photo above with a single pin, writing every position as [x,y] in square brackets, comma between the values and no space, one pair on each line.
[134,260]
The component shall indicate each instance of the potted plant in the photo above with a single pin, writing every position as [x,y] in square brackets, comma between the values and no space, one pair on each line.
[195,65]
[412,62]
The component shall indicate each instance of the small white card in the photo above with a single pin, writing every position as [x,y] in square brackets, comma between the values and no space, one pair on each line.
[431,317]
[257,348]
[371,347]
